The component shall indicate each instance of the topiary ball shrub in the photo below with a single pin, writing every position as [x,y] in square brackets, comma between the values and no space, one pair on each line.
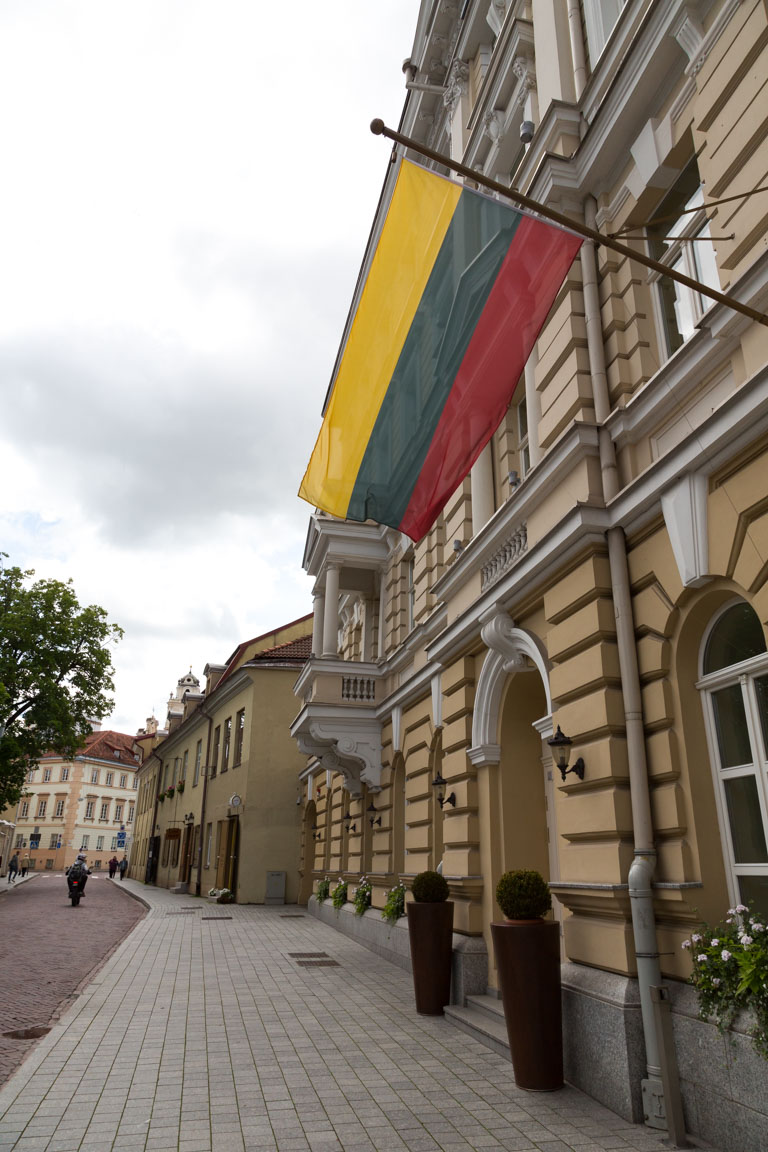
[523,895]
[429,888]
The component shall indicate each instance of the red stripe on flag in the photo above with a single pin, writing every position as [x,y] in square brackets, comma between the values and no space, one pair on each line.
[525,288]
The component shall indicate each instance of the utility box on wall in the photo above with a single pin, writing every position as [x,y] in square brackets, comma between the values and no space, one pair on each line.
[275,893]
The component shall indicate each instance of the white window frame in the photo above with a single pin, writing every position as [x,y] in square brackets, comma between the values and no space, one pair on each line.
[104,810]
[684,244]
[23,810]
[41,807]
[597,23]
[59,812]
[118,812]
[90,806]
[65,773]
[46,775]
[744,673]
[123,780]
[99,843]
[94,776]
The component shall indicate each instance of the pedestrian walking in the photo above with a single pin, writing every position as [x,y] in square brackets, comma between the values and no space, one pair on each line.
[25,864]
[123,866]
[113,867]
[13,868]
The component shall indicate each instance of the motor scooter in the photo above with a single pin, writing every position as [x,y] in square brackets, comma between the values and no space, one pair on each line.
[76,886]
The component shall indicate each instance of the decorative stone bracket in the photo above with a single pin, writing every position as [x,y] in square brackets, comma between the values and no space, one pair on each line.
[355,754]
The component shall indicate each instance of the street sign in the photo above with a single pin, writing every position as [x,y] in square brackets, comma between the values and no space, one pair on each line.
[34,841]
[121,839]
[58,842]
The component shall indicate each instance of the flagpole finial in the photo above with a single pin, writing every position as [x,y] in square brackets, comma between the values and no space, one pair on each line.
[377,127]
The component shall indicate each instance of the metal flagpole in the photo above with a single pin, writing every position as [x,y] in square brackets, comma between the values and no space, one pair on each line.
[379,128]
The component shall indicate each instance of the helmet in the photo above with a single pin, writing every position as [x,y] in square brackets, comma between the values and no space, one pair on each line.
[81,856]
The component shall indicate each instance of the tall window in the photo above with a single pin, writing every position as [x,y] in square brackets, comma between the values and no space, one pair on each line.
[208,841]
[227,741]
[41,807]
[131,811]
[99,843]
[84,843]
[46,775]
[215,756]
[522,438]
[123,780]
[114,843]
[30,776]
[239,733]
[94,776]
[198,760]
[735,688]
[104,812]
[600,17]
[681,239]
[118,811]
[65,773]
[89,806]
[23,809]
[184,764]
[59,808]
[54,840]
[110,777]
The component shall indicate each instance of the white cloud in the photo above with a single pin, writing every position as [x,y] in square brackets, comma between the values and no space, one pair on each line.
[192,184]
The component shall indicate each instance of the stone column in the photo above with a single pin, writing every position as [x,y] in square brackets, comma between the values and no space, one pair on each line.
[318,609]
[331,612]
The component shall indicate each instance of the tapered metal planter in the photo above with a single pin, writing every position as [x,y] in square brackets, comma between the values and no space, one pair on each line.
[528,967]
[430,928]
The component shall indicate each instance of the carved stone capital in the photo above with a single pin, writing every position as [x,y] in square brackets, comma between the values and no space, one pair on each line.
[456,86]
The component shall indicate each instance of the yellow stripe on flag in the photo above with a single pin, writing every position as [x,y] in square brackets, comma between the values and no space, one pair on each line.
[419,215]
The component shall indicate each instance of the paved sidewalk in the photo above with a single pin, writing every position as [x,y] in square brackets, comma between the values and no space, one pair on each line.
[274,1053]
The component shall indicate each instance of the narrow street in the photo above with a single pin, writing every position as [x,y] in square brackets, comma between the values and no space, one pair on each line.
[228,1028]
[48,949]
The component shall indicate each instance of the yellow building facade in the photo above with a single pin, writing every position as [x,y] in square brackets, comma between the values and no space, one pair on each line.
[87,804]
[603,568]
[218,804]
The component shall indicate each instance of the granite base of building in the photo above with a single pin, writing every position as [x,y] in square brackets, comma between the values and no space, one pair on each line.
[723,1079]
[470,958]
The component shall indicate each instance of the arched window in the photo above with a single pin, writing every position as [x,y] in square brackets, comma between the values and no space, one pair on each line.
[734,684]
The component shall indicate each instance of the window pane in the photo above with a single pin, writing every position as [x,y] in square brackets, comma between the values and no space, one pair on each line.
[754,892]
[761,692]
[746,821]
[731,726]
[706,264]
[738,635]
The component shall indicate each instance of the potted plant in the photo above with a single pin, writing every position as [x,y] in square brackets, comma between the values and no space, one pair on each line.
[224,896]
[180,787]
[430,930]
[527,950]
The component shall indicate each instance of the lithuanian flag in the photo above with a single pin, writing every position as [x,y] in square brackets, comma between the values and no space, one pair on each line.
[458,289]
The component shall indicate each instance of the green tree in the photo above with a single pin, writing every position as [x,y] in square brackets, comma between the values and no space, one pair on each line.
[55,673]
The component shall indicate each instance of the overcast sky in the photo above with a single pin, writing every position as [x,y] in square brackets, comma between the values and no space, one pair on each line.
[187,191]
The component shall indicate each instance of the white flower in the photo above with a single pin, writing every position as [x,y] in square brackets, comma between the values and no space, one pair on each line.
[731,911]
[696,938]
[729,920]
[715,943]
[726,955]
[685,944]
[742,908]
[746,940]
[702,957]
[716,981]
[756,926]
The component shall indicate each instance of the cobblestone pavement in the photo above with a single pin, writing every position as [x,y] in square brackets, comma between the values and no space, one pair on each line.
[273,1054]
[48,948]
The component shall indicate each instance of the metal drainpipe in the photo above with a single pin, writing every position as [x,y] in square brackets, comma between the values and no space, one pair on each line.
[199,884]
[644,862]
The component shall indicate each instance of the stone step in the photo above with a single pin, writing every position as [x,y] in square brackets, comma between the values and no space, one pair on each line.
[481,1021]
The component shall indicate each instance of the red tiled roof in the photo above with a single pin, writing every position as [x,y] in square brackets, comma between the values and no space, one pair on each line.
[293,651]
[234,660]
[103,746]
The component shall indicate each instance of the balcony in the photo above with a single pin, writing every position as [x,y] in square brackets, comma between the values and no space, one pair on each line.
[337,722]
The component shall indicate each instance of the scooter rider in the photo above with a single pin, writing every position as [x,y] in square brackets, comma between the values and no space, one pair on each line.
[81,870]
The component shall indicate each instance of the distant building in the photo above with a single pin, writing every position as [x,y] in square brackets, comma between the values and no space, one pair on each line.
[217,801]
[87,804]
